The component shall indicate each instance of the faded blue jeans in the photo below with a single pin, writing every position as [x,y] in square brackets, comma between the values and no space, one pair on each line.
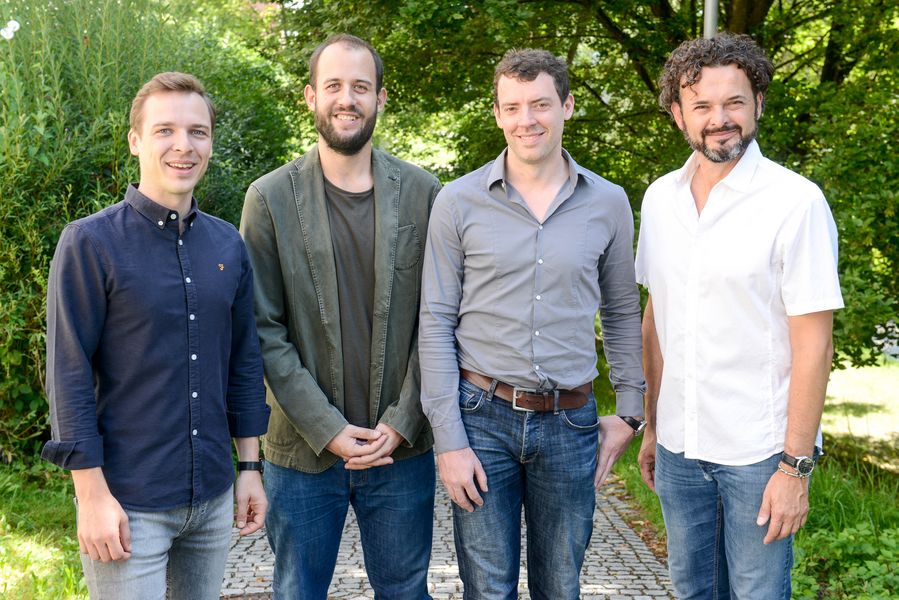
[715,548]
[544,463]
[178,553]
[394,507]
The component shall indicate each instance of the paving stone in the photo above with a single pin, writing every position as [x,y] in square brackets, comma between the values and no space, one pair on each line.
[618,565]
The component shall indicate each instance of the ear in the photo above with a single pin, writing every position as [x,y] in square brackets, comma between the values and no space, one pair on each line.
[759,106]
[133,142]
[309,95]
[496,115]
[568,106]
[678,115]
[382,99]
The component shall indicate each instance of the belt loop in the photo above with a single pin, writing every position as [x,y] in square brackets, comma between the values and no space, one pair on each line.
[493,389]
[556,401]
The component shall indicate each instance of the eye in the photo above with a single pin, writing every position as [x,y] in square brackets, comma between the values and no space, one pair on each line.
[332,87]
[542,105]
[164,131]
[362,89]
[199,132]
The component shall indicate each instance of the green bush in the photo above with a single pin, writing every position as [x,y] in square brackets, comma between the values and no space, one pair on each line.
[68,75]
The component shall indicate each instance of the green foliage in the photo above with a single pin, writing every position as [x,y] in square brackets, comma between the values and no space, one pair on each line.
[850,563]
[831,112]
[67,77]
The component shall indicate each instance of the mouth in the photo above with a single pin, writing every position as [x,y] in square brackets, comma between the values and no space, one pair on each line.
[721,133]
[182,166]
[529,138]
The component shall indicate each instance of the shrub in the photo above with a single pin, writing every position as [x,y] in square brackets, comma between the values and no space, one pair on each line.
[68,75]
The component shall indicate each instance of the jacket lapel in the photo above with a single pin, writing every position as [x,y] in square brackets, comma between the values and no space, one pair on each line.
[312,212]
[387,198]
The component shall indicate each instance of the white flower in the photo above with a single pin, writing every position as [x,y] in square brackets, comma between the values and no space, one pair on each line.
[12,25]
[7,33]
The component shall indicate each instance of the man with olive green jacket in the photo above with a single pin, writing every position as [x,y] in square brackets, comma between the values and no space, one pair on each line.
[336,240]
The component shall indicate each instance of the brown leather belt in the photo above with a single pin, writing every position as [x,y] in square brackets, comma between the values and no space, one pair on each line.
[528,399]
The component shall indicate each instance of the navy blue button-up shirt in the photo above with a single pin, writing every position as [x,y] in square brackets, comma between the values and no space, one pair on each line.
[153,362]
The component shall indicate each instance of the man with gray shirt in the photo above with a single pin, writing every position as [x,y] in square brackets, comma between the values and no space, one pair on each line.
[336,239]
[520,255]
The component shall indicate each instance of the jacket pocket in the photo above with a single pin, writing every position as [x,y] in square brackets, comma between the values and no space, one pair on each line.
[408,247]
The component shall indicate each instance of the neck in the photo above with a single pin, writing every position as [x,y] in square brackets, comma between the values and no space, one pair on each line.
[710,173]
[550,172]
[351,173]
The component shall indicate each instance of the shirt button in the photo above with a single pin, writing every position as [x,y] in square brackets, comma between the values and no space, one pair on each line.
[180,242]
[539,261]
[536,367]
[193,357]
[540,227]
[173,216]
[193,395]
[194,432]
[187,279]
[192,317]
[160,223]
[537,297]
[536,333]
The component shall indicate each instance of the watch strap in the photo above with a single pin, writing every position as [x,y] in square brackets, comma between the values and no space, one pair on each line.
[636,424]
[249,466]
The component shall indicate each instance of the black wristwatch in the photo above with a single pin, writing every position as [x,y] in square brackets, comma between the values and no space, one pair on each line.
[804,465]
[638,425]
[249,466]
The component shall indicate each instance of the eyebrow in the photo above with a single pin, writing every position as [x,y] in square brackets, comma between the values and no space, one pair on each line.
[171,124]
[338,80]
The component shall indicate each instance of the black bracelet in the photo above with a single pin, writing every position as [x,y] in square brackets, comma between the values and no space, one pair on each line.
[249,466]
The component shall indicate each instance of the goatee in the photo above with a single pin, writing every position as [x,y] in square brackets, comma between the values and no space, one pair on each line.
[726,153]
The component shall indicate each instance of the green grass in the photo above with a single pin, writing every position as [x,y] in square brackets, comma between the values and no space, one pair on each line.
[38,544]
[849,548]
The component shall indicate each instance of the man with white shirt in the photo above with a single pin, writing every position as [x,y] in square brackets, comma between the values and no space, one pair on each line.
[739,256]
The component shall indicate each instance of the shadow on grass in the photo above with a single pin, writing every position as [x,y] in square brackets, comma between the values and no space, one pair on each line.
[878,458]
[852,409]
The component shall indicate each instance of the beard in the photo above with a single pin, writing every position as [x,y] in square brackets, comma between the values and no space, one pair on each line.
[725,153]
[346,145]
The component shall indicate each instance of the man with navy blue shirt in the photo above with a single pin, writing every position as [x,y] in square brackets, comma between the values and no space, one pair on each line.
[153,365]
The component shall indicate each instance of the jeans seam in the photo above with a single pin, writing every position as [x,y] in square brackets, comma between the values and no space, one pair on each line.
[718,557]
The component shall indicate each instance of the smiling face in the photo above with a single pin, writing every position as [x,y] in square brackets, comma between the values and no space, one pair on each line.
[532,118]
[173,145]
[718,115]
[345,99]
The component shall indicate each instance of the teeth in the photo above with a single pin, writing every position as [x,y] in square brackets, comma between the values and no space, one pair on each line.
[181,165]
[347,117]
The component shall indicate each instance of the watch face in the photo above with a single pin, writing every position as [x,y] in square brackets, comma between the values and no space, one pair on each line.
[805,465]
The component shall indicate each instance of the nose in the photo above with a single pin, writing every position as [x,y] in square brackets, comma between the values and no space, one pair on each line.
[181,140]
[526,117]
[718,116]
[346,97]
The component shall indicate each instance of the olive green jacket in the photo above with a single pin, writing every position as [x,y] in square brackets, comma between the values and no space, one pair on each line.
[285,226]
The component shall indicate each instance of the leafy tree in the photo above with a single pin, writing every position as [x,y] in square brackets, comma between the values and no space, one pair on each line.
[831,112]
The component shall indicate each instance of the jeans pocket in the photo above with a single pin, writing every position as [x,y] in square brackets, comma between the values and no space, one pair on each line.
[471,398]
[583,418]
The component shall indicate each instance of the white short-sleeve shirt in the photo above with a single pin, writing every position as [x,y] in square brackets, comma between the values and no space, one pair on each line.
[723,284]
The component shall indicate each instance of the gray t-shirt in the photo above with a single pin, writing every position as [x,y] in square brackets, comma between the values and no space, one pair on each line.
[352,221]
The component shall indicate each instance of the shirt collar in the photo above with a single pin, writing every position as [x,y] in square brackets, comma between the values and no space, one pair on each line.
[739,178]
[156,213]
[497,172]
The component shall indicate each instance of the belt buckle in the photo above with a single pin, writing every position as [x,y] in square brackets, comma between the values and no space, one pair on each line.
[515,392]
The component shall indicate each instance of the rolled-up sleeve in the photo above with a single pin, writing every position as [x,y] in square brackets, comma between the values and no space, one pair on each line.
[76,310]
[247,411]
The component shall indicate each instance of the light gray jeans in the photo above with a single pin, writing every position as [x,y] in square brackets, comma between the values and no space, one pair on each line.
[175,554]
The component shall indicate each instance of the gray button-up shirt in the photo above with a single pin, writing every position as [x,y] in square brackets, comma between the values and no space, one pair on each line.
[515,299]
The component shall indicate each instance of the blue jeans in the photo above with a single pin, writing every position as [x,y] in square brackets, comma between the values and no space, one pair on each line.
[394,507]
[545,463]
[715,548]
[179,553]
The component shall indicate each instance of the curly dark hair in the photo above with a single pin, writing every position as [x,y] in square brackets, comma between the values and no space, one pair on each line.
[684,67]
[527,64]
